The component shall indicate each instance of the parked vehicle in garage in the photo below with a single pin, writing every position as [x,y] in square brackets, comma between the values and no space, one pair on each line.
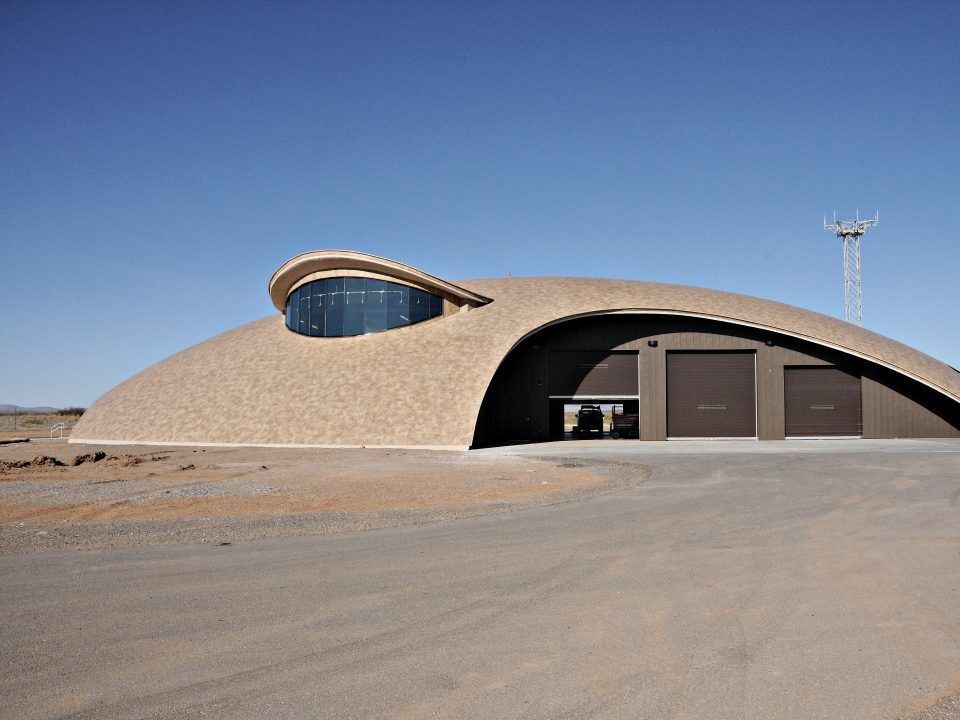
[624,424]
[589,419]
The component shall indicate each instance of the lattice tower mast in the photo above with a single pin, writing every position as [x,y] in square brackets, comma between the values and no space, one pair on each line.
[850,232]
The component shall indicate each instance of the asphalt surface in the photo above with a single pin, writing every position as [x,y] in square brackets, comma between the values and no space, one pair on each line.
[744,580]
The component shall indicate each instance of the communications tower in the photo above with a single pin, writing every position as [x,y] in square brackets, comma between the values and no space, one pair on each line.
[850,232]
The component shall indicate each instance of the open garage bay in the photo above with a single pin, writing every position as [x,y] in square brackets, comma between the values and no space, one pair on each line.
[803,579]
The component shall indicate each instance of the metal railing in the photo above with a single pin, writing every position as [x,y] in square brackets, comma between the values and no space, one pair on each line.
[59,427]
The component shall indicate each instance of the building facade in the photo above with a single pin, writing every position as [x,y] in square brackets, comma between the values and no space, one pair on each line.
[366,351]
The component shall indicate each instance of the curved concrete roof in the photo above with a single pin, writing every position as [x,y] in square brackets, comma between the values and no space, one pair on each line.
[422,384]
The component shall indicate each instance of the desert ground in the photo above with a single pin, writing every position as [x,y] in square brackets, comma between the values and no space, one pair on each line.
[591,579]
[56,495]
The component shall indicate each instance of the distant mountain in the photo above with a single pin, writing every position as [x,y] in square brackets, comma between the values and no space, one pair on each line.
[9,409]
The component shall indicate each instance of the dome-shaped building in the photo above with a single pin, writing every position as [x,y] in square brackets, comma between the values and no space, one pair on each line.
[366,351]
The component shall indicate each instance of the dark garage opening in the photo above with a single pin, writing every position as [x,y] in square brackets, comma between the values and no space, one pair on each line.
[597,381]
[621,418]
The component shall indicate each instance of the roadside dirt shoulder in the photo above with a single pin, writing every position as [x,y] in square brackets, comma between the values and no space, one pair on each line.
[60,496]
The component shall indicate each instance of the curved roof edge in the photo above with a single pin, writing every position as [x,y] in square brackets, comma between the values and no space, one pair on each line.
[575,296]
[292,271]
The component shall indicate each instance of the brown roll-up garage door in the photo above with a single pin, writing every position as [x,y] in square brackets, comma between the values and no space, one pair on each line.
[821,402]
[711,394]
[593,373]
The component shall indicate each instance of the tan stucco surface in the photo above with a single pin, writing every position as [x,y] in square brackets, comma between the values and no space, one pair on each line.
[419,385]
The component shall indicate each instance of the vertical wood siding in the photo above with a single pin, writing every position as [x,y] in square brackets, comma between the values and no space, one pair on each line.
[892,406]
[898,407]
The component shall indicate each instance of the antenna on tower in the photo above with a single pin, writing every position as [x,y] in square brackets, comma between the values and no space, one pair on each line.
[850,232]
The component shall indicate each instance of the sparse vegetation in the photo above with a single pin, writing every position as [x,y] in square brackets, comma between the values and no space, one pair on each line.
[34,423]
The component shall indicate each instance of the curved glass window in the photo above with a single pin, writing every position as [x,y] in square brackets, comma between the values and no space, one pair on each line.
[342,306]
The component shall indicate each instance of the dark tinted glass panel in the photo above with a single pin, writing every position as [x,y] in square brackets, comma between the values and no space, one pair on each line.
[354,306]
[335,303]
[337,307]
[318,297]
[293,308]
[303,327]
[398,305]
[375,306]
[419,305]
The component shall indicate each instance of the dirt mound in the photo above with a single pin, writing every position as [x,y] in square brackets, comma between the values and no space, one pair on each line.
[88,457]
[134,460]
[44,461]
[38,461]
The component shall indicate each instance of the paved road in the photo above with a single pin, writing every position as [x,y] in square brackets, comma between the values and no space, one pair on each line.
[773,580]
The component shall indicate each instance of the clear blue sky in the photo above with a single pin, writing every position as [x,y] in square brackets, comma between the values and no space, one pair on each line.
[159,160]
